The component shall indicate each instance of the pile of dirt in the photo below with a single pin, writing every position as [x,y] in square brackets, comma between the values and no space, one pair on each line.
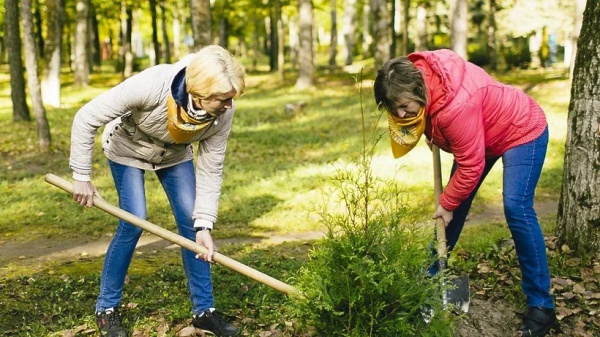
[485,318]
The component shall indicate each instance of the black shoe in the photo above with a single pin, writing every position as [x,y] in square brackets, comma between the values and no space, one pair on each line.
[212,322]
[109,323]
[537,322]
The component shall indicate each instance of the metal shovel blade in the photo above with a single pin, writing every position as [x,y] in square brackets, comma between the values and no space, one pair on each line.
[458,293]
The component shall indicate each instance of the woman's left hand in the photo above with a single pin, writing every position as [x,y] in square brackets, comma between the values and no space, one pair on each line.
[443,213]
[204,238]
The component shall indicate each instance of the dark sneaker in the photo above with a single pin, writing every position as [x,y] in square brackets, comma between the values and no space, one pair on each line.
[109,323]
[212,322]
[537,322]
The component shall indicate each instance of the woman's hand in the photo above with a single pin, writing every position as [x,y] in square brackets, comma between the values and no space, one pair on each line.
[443,213]
[204,239]
[83,193]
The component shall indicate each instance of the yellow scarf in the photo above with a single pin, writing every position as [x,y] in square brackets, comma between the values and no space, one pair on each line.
[405,132]
[182,128]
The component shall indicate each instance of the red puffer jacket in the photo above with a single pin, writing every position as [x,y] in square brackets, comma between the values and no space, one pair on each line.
[473,116]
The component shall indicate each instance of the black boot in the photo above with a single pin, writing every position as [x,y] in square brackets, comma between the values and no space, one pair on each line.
[537,322]
[212,322]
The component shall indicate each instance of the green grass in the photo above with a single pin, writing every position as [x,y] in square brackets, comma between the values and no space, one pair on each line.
[277,169]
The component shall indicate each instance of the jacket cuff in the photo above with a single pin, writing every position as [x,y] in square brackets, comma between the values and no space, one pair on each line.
[82,177]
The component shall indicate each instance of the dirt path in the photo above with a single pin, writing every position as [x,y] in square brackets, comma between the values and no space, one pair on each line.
[51,249]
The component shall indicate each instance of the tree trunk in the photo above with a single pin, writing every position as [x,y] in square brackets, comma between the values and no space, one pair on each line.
[35,90]
[405,20]
[53,47]
[578,223]
[381,32]
[571,43]
[491,39]
[165,36]
[94,49]
[333,39]
[37,32]
[274,10]
[458,27]
[349,29]
[280,44]
[176,29]
[154,25]
[306,66]
[81,61]
[421,22]
[126,33]
[15,63]
[201,17]
[393,31]
[367,37]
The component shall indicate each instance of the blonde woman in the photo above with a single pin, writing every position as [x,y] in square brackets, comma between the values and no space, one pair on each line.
[152,120]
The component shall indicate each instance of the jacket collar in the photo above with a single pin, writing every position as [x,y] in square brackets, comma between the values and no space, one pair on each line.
[178,89]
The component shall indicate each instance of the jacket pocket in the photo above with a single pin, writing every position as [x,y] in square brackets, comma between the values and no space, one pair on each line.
[126,141]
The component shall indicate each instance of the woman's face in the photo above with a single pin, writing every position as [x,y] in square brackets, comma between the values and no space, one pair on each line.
[216,105]
[406,107]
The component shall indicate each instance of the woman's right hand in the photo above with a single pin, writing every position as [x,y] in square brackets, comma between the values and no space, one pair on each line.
[83,193]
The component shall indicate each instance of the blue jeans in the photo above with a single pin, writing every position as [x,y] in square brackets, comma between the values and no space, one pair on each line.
[522,166]
[179,183]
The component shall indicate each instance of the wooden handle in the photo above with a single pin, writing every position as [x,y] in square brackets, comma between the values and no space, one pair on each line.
[440,226]
[177,239]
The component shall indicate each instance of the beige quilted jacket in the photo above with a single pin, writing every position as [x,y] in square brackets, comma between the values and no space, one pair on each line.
[134,116]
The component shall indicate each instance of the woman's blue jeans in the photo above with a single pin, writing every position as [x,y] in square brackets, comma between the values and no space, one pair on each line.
[179,183]
[522,166]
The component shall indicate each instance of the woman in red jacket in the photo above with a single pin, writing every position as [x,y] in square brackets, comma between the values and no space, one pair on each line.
[464,111]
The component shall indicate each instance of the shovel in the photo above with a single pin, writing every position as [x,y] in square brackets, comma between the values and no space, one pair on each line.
[179,240]
[457,294]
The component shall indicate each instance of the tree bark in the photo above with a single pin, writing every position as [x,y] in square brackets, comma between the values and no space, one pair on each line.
[405,20]
[421,23]
[176,29]
[51,71]
[280,44]
[458,27]
[274,13]
[81,60]
[15,63]
[126,33]
[94,49]
[349,30]
[165,35]
[306,66]
[381,31]
[367,38]
[578,223]
[33,81]
[155,43]
[333,39]
[201,17]
[491,36]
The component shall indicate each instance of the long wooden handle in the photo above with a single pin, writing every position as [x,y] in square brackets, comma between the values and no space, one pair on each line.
[177,239]
[439,222]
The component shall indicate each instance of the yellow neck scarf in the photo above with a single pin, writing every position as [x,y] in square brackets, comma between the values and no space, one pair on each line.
[406,132]
[182,128]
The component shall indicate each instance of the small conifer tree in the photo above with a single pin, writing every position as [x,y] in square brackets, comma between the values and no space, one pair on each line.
[368,276]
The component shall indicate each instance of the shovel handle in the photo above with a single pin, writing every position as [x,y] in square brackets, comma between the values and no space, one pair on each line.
[178,239]
[440,225]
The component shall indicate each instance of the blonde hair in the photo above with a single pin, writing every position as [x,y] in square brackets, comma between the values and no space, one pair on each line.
[399,78]
[214,71]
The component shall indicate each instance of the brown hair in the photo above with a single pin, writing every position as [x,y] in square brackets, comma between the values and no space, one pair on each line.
[213,71]
[398,78]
